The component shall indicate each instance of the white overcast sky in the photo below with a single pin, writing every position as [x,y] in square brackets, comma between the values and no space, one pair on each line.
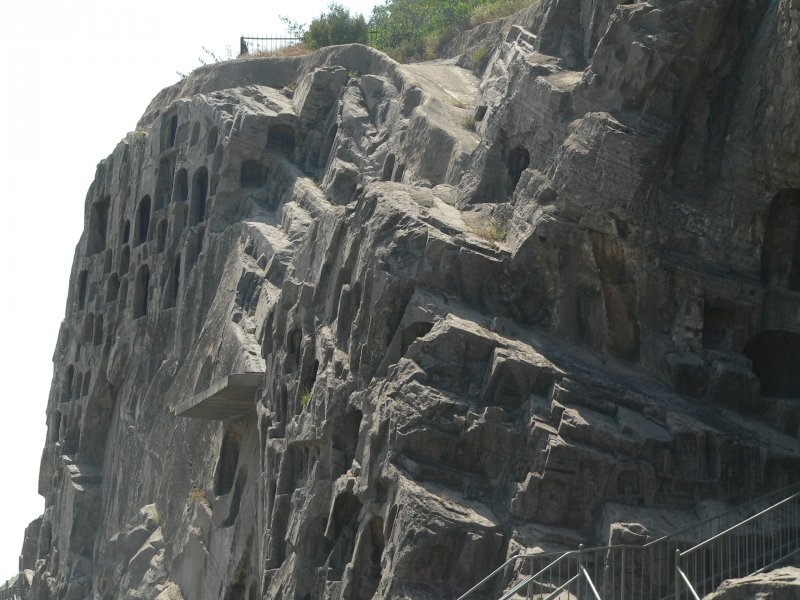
[75,75]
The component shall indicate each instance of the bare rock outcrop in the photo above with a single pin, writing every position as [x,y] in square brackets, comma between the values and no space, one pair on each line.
[781,584]
[344,328]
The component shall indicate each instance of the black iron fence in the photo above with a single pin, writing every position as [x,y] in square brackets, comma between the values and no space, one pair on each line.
[254,44]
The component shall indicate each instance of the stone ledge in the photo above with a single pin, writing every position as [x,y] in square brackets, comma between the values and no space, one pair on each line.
[231,396]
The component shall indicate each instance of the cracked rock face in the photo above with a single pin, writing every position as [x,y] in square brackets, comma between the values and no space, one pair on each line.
[472,310]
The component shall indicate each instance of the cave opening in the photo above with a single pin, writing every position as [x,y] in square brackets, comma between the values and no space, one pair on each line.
[254,174]
[125,259]
[281,137]
[83,279]
[161,236]
[367,584]
[776,363]
[172,133]
[199,195]
[240,480]
[344,521]
[388,167]
[345,437]
[66,387]
[181,187]
[718,326]
[228,462]
[141,292]
[142,221]
[123,293]
[413,332]
[88,328]
[164,179]
[108,261]
[211,140]
[98,225]
[76,392]
[518,161]
[780,252]
[174,285]
[97,339]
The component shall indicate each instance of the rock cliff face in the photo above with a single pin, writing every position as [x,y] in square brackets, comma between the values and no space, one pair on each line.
[431,314]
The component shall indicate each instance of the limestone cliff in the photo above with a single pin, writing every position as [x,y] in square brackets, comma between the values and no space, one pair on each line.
[344,328]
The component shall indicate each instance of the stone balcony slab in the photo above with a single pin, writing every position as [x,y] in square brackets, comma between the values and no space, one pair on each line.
[231,396]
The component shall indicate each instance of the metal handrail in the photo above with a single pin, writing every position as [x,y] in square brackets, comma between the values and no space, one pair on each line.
[679,573]
[741,524]
[590,583]
[510,594]
[780,492]
[558,557]
[643,571]
[751,546]
[562,587]
[490,576]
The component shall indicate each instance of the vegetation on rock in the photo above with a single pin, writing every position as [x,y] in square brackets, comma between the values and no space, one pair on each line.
[337,26]
[492,231]
[408,29]
[197,495]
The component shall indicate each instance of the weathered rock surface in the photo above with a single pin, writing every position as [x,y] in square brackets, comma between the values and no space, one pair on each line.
[432,398]
[781,584]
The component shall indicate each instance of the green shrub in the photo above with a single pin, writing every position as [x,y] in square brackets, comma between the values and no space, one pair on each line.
[407,29]
[410,27]
[337,26]
[305,398]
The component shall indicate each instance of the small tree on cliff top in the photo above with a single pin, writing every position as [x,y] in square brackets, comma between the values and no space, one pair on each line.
[337,26]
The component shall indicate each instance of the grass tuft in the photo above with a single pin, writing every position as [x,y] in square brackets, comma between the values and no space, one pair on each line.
[478,58]
[291,50]
[497,10]
[197,495]
[468,121]
[492,230]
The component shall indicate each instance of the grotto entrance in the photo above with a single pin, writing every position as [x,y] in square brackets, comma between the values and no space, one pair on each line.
[518,161]
[780,253]
[776,363]
[281,137]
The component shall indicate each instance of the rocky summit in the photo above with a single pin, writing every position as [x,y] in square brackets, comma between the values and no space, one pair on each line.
[340,327]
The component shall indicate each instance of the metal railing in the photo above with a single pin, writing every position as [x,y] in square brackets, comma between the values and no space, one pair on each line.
[651,571]
[253,44]
[11,591]
[607,573]
[749,547]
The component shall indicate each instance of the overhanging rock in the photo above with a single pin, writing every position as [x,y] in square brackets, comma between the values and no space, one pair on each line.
[229,397]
